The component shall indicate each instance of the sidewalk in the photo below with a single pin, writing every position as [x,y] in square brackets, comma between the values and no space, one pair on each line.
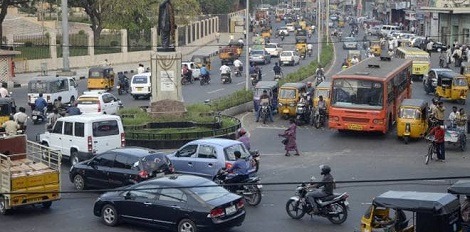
[210,48]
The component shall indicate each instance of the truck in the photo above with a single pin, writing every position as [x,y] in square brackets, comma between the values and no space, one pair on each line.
[29,173]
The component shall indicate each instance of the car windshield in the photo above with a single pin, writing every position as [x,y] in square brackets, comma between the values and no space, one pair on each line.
[140,80]
[287,94]
[151,163]
[352,93]
[409,113]
[236,147]
[87,100]
[283,28]
[208,191]
[270,46]
[349,39]
[286,54]
[258,53]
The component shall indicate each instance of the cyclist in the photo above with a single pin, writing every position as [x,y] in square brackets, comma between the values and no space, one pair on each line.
[439,142]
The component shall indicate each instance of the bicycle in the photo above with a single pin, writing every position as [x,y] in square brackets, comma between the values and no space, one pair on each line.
[432,149]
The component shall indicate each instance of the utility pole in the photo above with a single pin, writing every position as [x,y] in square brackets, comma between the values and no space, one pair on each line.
[319,30]
[327,21]
[65,41]
[247,45]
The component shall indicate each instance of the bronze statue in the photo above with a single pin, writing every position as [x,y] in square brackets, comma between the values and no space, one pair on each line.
[166,24]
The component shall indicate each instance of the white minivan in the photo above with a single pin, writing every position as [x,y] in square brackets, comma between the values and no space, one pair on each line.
[52,87]
[141,85]
[80,137]
[386,29]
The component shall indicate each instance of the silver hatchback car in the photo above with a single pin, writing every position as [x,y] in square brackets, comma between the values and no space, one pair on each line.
[205,157]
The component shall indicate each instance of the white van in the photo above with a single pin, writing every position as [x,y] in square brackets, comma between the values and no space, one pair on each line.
[386,29]
[52,87]
[141,85]
[80,137]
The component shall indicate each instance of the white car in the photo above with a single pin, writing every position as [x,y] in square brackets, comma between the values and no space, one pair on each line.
[98,102]
[290,27]
[289,57]
[273,49]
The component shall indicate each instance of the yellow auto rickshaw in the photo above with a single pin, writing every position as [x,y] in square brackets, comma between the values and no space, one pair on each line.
[426,212]
[7,108]
[452,86]
[199,60]
[376,47]
[412,121]
[465,70]
[301,46]
[289,95]
[341,23]
[351,54]
[323,89]
[266,33]
[101,78]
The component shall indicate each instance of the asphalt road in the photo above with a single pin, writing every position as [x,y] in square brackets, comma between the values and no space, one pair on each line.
[353,156]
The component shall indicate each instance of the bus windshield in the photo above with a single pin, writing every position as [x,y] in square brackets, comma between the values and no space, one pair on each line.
[352,93]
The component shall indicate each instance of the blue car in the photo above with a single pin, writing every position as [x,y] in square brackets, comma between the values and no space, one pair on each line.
[205,157]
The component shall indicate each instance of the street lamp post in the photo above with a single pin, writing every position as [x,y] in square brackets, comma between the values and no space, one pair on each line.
[319,29]
[247,42]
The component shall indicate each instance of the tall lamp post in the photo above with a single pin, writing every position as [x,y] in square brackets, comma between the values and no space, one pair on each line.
[65,43]
[319,30]
[247,43]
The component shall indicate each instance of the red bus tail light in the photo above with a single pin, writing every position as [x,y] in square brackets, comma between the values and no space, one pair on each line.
[90,144]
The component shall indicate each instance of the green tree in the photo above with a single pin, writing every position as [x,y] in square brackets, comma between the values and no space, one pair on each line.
[216,6]
[3,12]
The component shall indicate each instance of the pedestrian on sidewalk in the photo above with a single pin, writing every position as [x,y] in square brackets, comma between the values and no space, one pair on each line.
[217,37]
[290,143]
[231,38]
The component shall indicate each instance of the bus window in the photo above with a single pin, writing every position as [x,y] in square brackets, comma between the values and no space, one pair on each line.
[358,93]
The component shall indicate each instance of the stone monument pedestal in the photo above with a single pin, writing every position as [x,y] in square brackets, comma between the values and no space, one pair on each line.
[167,98]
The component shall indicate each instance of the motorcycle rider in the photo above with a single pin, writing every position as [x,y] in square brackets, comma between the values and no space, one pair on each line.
[327,183]
[238,65]
[40,104]
[277,69]
[309,48]
[321,106]
[204,72]
[11,127]
[73,109]
[225,70]
[52,118]
[265,99]
[21,118]
[320,74]
[187,73]
[58,103]
[240,169]
[243,137]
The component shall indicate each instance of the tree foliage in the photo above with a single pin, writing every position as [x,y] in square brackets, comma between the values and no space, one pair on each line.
[216,6]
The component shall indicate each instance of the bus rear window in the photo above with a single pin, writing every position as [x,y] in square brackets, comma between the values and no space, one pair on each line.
[105,128]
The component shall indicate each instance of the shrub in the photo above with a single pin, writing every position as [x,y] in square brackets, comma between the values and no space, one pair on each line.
[114,43]
[28,44]
[81,32]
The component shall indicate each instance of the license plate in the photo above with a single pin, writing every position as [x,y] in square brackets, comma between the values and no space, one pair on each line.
[35,117]
[354,127]
[230,210]
[139,88]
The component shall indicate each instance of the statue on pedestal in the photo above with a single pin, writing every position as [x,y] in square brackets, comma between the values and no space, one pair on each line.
[166,26]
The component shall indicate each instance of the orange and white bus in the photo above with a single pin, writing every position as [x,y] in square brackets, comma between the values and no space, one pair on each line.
[366,96]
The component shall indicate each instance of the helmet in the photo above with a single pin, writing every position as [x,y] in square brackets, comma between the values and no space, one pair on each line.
[325,169]
[241,132]
[309,84]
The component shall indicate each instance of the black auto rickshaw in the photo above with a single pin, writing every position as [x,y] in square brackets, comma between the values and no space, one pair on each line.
[461,188]
[272,87]
[199,60]
[101,78]
[431,212]
[7,108]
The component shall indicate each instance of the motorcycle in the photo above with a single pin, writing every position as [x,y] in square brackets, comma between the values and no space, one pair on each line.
[282,37]
[204,80]
[319,79]
[277,77]
[226,78]
[238,71]
[309,51]
[333,207]
[302,114]
[123,85]
[264,113]
[319,118]
[254,79]
[185,80]
[250,190]
[38,117]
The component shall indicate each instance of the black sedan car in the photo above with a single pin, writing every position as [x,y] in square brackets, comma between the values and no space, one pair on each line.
[176,202]
[120,167]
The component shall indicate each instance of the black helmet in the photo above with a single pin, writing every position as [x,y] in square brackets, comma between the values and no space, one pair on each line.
[325,169]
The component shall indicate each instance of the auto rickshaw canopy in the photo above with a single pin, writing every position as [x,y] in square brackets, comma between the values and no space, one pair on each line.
[423,202]
[461,187]
[449,76]
[199,60]
[103,71]
[413,102]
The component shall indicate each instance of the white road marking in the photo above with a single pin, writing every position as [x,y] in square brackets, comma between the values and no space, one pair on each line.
[241,83]
[274,127]
[215,91]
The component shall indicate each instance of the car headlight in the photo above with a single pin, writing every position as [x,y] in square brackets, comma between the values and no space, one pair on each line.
[280,104]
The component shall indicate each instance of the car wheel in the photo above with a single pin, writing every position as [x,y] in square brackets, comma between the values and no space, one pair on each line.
[187,225]
[109,215]
[3,209]
[79,182]
[74,157]
[72,99]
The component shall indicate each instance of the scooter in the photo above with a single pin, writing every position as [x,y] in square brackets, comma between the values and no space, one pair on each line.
[319,118]
[309,51]
[38,116]
[277,77]
[238,71]
[185,80]
[302,114]
[123,85]
[204,80]
[226,78]
[254,79]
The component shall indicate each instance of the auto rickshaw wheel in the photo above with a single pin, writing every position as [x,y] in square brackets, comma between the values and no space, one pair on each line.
[285,116]
[406,139]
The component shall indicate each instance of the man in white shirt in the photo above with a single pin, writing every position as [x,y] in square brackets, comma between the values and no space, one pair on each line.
[453,115]
[238,64]
[225,70]
[3,91]
[140,69]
